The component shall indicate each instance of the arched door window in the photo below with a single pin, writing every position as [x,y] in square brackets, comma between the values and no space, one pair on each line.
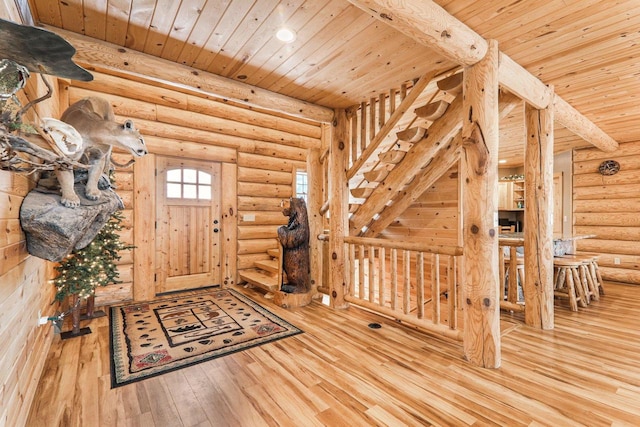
[188,183]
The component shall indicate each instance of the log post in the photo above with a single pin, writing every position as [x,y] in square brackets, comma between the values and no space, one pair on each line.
[144,199]
[538,222]
[339,205]
[314,203]
[480,204]
[229,226]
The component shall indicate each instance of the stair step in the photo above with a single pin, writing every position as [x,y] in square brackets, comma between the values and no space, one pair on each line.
[452,84]
[361,192]
[259,279]
[413,135]
[270,265]
[274,253]
[376,175]
[392,156]
[432,111]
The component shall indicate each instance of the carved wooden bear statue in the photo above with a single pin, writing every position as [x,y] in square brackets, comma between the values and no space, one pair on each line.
[294,238]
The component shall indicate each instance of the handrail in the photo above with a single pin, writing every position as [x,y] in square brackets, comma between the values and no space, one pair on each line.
[395,279]
[406,245]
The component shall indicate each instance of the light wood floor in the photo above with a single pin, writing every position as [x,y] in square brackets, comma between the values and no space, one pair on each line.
[342,373]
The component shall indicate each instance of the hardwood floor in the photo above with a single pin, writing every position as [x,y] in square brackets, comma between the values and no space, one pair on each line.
[340,372]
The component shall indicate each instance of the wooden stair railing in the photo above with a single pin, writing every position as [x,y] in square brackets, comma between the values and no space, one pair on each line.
[368,146]
[379,282]
[439,135]
[444,159]
[426,115]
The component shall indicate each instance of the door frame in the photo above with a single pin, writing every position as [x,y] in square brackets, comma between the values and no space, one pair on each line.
[188,280]
[144,234]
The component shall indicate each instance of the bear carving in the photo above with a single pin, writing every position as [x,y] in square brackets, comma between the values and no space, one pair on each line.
[294,238]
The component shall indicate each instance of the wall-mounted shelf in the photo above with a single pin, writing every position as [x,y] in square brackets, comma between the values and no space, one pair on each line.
[511,195]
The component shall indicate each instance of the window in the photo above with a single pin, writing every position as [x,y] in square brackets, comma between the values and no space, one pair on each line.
[188,183]
[301,184]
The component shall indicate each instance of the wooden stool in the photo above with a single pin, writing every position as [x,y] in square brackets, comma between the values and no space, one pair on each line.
[512,286]
[568,283]
[595,271]
[588,275]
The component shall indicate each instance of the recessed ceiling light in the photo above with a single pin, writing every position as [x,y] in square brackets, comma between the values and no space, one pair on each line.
[502,161]
[286,35]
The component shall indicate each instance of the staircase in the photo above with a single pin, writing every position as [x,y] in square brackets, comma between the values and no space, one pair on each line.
[405,158]
[266,275]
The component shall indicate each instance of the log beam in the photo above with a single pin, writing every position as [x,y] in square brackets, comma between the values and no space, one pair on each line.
[480,130]
[339,202]
[431,25]
[538,222]
[573,120]
[441,163]
[114,59]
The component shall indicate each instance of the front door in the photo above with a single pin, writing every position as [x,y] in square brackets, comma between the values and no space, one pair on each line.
[188,224]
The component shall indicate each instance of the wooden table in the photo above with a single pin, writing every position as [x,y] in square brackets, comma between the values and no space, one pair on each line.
[561,245]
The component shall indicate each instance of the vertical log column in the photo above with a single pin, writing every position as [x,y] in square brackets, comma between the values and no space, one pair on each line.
[480,204]
[538,218]
[315,179]
[144,202]
[229,211]
[339,208]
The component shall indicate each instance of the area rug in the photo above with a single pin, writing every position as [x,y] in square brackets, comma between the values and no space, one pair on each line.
[149,339]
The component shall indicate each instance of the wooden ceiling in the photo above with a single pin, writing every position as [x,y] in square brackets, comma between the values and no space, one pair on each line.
[587,49]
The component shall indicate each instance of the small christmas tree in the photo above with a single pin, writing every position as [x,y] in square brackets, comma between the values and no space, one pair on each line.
[94,265]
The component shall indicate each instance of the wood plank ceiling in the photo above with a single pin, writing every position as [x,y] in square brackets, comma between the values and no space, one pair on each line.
[587,49]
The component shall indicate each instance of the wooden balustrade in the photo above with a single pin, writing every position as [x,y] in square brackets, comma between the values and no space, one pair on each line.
[372,121]
[379,282]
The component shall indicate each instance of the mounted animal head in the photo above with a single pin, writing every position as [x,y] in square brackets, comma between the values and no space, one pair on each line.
[130,139]
[93,118]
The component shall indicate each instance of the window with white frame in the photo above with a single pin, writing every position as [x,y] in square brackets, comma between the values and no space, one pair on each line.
[301,184]
[188,183]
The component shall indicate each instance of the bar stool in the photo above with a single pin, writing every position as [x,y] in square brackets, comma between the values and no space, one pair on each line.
[511,280]
[512,285]
[595,271]
[567,283]
[588,275]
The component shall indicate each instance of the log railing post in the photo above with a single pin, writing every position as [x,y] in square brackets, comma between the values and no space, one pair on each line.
[480,174]
[339,208]
[316,220]
[538,222]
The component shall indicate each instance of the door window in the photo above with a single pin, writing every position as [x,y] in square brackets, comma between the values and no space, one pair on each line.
[188,183]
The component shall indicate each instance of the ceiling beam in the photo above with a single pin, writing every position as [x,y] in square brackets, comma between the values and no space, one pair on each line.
[101,55]
[430,24]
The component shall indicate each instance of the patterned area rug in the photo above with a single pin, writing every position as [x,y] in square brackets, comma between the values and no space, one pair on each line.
[149,339]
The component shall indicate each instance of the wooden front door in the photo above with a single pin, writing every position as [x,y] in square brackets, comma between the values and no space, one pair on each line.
[188,224]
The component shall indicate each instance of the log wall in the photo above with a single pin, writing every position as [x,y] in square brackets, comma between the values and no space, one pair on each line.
[266,149]
[608,206]
[25,289]
[434,217]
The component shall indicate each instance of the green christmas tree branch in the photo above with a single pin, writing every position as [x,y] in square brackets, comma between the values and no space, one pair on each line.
[94,265]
